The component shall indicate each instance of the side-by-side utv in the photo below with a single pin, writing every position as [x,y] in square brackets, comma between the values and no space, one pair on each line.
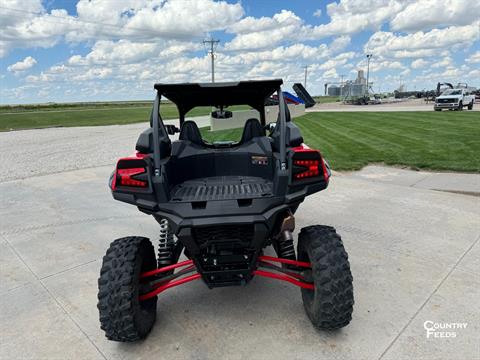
[221,204]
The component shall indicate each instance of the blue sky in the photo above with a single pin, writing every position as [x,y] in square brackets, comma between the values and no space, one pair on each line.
[92,50]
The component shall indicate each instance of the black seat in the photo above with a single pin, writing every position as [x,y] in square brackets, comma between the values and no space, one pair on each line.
[252,129]
[190,132]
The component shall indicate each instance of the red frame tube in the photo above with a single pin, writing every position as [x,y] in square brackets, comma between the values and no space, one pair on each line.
[292,278]
[161,283]
[285,261]
[166,268]
[292,274]
[284,278]
[169,285]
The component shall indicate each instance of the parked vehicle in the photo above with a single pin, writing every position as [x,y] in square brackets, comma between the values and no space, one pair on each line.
[221,204]
[454,99]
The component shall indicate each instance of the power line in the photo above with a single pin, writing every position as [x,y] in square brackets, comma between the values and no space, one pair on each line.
[213,44]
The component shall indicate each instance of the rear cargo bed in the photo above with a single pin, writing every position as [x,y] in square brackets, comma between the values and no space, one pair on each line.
[222,188]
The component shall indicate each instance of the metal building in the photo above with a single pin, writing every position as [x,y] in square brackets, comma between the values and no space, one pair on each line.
[334,90]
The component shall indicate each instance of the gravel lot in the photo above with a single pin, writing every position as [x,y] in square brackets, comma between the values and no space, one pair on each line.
[37,152]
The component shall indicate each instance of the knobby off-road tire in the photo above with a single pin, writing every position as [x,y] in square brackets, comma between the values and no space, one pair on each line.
[122,316]
[460,106]
[470,106]
[330,305]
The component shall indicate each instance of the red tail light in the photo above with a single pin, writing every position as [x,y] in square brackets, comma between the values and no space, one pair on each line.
[311,168]
[308,164]
[130,172]
[326,170]
[126,177]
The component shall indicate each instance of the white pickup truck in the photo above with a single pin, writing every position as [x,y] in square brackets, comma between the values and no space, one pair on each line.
[454,99]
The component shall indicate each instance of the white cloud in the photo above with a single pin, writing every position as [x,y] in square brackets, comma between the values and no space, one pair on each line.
[381,64]
[352,16]
[124,51]
[331,64]
[23,65]
[138,20]
[251,24]
[474,74]
[59,69]
[474,58]
[317,13]
[94,73]
[347,17]
[424,14]
[160,40]
[346,55]
[41,78]
[331,74]
[179,17]
[31,28]
[452,72]
[422,44]
[76,60]
[419,63]
[43,93]
[260,33]
[445,62]
[340,43]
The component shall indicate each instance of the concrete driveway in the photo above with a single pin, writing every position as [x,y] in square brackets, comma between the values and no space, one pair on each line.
[414,254]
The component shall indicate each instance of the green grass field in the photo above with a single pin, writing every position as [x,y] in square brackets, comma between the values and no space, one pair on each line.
[112,115]
[420,140]
[350,140]
[91,114]
[72,106]
[326,99]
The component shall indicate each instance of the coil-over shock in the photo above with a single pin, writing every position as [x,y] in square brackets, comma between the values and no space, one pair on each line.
[166,245]
[284,240]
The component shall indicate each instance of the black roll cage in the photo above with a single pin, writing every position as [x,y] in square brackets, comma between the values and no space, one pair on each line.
[189,95]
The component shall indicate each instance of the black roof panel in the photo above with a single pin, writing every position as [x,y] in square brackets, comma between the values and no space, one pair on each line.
[189,95]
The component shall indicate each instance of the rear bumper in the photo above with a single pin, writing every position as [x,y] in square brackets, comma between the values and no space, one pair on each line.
[218,213]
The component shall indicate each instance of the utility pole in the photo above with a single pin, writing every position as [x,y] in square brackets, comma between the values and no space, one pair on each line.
[305,82]
[212,44]
[369,56]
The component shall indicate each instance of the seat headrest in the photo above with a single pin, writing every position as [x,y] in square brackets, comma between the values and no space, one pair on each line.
[190,132]
[145,143]
[252,129]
